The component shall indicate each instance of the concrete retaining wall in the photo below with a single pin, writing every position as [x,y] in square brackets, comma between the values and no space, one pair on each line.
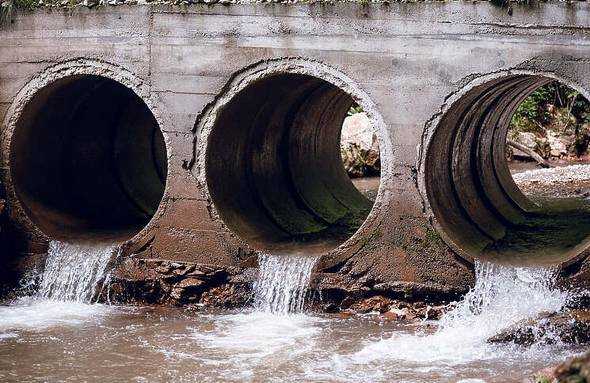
[403,62]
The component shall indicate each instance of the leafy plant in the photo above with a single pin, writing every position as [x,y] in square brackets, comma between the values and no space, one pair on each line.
[354,110]
[8,7]
[557,108]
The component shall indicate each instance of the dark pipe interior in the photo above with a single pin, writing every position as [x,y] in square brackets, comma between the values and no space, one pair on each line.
[473,195]
[274,168]
[88,160]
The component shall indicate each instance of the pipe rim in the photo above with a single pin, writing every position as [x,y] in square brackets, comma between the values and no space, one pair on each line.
[50,75]
[432,124]
[207,119]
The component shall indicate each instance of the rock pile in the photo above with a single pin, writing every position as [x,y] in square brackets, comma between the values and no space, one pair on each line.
[156,282]
[149,281]
[396,310]
[552,145]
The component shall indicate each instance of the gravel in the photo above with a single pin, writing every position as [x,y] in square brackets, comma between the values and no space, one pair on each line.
[571,173]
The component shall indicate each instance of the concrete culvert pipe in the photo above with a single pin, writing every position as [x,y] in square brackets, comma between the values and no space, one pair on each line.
[274,168]
[476,203]
[88,160]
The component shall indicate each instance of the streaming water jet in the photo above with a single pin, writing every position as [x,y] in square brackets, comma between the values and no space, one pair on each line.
[74,272]
[282,283]
[502,296]
[68,288]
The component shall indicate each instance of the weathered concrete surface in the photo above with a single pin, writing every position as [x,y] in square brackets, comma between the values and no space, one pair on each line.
[403,62]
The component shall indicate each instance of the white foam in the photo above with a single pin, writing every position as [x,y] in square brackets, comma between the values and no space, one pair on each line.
[8,335]
[501,297]
[240,346]
[33,314]
[258,334]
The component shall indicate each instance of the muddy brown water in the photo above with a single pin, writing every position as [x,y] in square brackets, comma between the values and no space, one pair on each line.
[67,342]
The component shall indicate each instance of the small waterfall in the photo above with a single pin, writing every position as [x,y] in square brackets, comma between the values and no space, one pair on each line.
[282,283]
[73,272]
[502,296]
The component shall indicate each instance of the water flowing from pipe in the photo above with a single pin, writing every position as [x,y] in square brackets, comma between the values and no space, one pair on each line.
[74,272]
[502,296]
[73,278]
[282,283]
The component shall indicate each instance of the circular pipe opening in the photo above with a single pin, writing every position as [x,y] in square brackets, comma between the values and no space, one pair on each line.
[479,208]
[273,165]
[88,160]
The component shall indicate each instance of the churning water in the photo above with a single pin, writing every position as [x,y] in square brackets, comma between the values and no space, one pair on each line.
[282,283]
[501,297]
[72,279]
[101,343]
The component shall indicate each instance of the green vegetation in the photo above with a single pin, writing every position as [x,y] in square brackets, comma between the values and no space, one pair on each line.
[554,112]
[549,102]
[354,110]
[7,7]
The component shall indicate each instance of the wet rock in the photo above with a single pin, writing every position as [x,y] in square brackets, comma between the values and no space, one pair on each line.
[391,316]
[434,312]
[391,309]
[164,269]
[245,276]
[134,291]
[142,281]
[571,326]
[181,271]
[364,295]
[331,308]
[227,296]
[574,370]
[373,304]
[187,290]
[250,262]
[405,313]
[338,289]
[152,281]
[417,291]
